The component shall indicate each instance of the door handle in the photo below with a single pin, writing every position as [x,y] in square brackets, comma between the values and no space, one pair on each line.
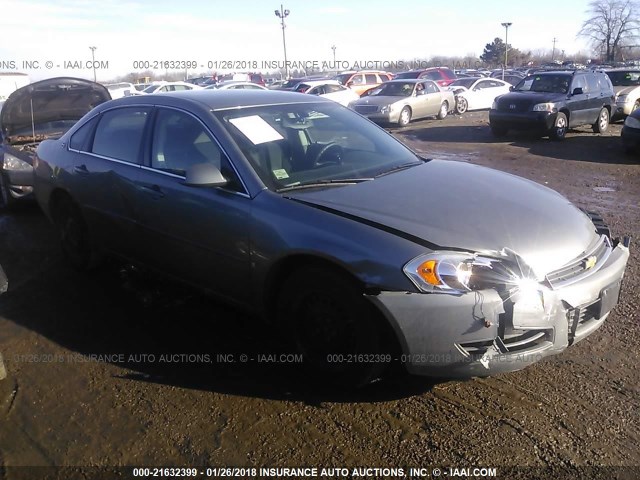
[81,169]
[154,190]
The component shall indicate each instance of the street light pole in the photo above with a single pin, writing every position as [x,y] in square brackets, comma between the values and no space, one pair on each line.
[93,61]
[333,47]
[282,14]
[506,26]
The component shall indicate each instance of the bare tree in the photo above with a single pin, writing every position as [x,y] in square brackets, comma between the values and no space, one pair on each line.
[611,25]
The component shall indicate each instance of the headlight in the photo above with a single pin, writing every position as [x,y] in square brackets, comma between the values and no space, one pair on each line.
[385,109]
[545,107]
[622,98]
[494,105]
[457,273]
[632,122]
[14,164]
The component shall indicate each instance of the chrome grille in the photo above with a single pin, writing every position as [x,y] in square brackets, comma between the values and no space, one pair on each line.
[586,263]
[514,343]
[514,106]
[366,108]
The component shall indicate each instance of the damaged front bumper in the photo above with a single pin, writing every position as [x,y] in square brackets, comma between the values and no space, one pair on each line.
[484,332]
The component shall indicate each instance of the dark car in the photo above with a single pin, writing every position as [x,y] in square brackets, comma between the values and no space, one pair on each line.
[552,102]
[41,110]
[443,76]
[631,132]
[272,201]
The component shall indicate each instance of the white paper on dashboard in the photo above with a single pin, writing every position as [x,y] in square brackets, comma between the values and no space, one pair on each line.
[256,129]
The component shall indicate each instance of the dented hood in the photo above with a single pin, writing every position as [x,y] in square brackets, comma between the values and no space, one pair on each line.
[49,105]
[465,206]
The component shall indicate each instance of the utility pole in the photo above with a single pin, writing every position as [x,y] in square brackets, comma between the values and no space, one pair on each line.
[553,52]
[506,26]
[93,61]
[333,47]
[282,14]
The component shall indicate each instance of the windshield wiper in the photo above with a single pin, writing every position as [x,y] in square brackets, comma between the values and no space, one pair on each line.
[404,166]
[323,183]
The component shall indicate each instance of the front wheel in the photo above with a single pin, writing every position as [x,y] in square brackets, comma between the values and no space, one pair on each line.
[5,196]
[461,105]
[559,129]
[337,331]
[602,124]
[444,110]
[405,117]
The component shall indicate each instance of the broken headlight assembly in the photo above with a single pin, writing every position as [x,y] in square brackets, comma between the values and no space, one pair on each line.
[14,164]
[457,273]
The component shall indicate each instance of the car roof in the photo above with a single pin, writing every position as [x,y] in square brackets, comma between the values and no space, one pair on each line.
[408,80]
[222,99]
[321,82]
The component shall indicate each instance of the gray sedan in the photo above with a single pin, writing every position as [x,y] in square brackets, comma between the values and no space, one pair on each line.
[400,101]
[303,212]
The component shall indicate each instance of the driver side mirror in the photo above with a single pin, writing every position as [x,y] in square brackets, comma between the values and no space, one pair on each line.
[349,84]
[204,175]
[421,92]
[512,88]
[577,91]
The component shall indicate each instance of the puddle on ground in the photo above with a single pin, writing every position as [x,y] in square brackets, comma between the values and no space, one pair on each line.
[603,189]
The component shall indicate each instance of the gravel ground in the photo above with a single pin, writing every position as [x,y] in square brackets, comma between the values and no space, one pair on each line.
[60,406]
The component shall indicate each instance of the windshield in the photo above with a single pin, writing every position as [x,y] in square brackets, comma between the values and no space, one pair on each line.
[625,79]
[404,75]
[394,89]
[545,83]
[463,82]
[343,78]
[151,88]
[289,145]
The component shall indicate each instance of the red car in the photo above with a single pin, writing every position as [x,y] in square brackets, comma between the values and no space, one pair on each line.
[443,76]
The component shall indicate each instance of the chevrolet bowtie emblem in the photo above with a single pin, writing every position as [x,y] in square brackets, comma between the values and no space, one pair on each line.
[590,262]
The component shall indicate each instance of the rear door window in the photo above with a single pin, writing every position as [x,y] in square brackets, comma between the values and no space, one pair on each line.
[119,134]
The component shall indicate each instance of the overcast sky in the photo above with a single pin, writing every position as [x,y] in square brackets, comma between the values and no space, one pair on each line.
[248,30]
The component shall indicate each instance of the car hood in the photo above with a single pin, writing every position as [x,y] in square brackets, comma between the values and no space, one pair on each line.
[532,97]
[463,206]
[380,100]
[40,104]
[621,90]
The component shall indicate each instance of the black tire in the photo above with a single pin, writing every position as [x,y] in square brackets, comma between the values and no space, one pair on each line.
[6,200]
[405,117]
[74,236]
[331,323]
[444,111]
[602,123]
[559,129]
[461,105]
[498,130]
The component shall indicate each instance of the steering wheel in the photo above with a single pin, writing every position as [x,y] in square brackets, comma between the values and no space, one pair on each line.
[329,154]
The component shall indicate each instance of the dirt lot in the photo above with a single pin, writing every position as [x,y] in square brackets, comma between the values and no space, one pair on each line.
[59,406]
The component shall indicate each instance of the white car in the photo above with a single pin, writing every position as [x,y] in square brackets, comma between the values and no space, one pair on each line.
[233,85]
[331,89]
[476,93]
[162,87]
[122,89]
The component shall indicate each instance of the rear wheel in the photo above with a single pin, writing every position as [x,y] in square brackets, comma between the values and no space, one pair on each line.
[405,117]
[559,129]
[602,124]
[444,110]
[74,235]
[337,331]
[461,105]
